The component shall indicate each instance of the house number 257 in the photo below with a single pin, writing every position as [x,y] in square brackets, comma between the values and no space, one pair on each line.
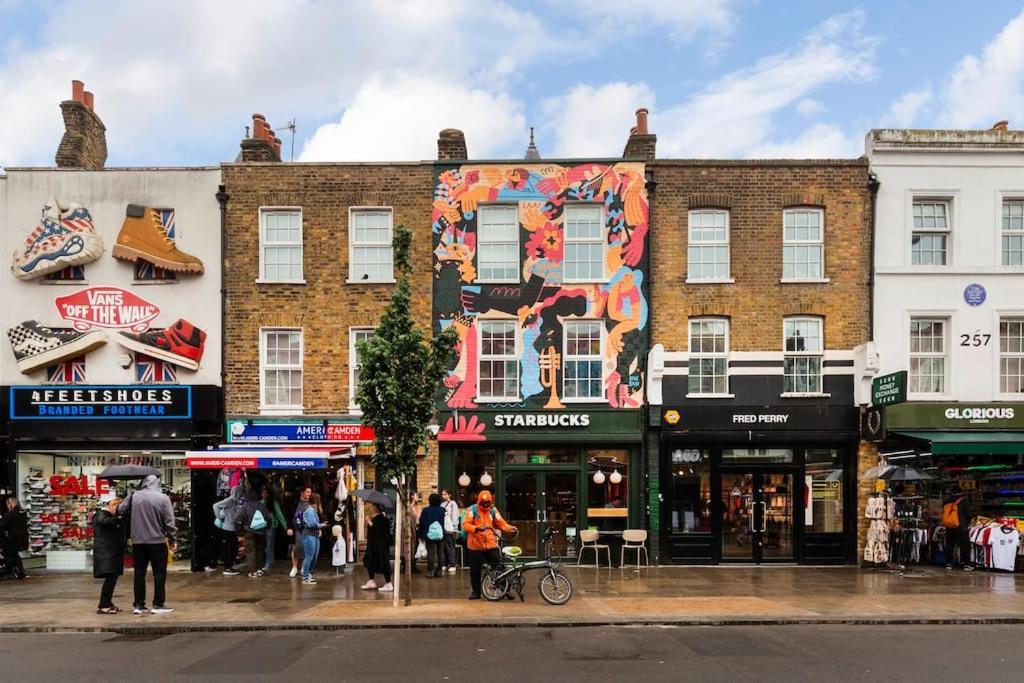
[976,339]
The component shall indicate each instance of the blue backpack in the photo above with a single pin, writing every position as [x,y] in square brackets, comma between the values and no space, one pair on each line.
[435,532]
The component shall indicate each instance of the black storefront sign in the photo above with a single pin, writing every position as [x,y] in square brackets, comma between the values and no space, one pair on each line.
[753,423]
[84,402]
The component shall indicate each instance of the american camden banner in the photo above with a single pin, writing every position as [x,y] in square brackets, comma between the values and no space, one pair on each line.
[100,403]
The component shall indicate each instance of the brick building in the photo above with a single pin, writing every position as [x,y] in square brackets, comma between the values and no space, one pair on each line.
[759,274]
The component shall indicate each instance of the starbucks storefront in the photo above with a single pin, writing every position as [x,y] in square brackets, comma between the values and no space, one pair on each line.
[566,470]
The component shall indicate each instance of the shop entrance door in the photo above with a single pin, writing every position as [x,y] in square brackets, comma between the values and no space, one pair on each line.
[534,501]
[757,516]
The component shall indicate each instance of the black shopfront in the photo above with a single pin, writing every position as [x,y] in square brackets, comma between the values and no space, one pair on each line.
[757,484]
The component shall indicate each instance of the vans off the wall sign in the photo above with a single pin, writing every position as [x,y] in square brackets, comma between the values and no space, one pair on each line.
[108,307]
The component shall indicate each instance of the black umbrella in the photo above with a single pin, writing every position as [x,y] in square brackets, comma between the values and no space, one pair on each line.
[128,472]
[376,497]
[906,474]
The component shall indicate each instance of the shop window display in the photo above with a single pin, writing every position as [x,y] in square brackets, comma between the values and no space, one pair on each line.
[474,464]
[608,484]
[824,481]
[690,475]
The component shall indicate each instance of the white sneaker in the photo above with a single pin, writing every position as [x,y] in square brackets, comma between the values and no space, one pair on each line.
[162,610]
[139,610]
[369,585]
[293,573]
[451,570]
[387,588]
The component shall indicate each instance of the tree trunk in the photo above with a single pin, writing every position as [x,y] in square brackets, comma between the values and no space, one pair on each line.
[399,511]
[410,535]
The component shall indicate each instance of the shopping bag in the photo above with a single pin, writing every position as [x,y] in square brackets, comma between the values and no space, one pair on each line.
[421,551]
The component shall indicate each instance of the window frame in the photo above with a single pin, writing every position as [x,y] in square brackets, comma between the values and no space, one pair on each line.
[601,240]
[352,244]
[945,319]
[263,212]
[819,354]
[1012,199]
[727,243]
[353,358]
[291,409]
[947,232]
[820,242]
[602,337]
[481,358]
[482,209]
[1015,318]
[724,356]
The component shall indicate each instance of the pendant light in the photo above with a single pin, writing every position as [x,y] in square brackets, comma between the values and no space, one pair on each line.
[615,477]
[464,480]
[486,480]
[599,477]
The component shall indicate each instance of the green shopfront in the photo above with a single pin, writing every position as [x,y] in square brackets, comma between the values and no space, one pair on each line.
[568,470]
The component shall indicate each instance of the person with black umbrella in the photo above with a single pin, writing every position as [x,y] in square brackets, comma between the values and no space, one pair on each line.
[152,532]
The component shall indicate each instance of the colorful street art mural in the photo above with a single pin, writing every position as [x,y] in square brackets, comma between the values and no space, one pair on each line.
[541,270]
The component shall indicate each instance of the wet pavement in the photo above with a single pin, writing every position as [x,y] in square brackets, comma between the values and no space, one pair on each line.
[657,595]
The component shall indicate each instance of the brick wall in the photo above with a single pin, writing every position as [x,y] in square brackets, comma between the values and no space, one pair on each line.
[84,144]
[756,194]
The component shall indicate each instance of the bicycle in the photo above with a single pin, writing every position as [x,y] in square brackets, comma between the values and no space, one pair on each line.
[555,587]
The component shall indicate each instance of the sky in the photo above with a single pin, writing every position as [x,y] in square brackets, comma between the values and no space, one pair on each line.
[176,82]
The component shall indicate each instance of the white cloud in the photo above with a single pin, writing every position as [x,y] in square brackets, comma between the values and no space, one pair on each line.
[908,107]
[591,121]
[985,88]
[684,19]
[809,108]
[820,141]
[735,114]
[400,117]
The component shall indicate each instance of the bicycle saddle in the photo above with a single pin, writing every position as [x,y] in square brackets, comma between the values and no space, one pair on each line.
[512,550]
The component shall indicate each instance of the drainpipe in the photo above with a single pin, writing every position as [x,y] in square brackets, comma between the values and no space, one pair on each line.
[222,199]
[873,185]
[651,185]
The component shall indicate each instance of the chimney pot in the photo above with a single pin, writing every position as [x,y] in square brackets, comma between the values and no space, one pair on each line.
[88,100]
[78,91]
[277,148]
[259,116]
[258,125]
[1001,125]
[641,121]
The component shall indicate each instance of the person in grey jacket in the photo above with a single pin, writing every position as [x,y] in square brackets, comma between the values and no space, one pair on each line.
[151,521]
[226,511]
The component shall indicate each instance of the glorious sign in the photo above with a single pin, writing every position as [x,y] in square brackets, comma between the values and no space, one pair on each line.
[109,307]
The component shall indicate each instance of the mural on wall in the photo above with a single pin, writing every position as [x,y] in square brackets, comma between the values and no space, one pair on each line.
[64,237]
[580,260]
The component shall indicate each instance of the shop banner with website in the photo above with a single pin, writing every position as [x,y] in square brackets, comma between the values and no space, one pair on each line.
[284,462]
[953,416]
[306,432]
[84,402]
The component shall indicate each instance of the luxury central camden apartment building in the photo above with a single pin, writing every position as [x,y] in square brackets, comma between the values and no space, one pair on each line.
[682,348]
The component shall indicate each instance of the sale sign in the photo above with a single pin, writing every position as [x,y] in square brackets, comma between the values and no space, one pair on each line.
[109,307]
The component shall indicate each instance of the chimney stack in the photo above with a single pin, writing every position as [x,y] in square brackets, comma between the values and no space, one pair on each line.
[84,144]
[1001,125]
[641,142]
[263,145]
[451,144]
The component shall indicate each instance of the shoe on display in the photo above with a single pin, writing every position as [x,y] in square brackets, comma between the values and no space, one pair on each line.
[37,346]
[63,238]
[231,571]
[182,343]
[387,588]
[293,573]
[162,610]
[144,236]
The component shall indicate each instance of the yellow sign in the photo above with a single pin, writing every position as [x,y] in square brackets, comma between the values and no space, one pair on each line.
[672,416]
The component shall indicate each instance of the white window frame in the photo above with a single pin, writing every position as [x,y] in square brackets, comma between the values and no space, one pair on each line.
[481,358]
[947,232]
[1001,355]
[353,211]
[819,354]
[819,243]
[264,211]
[945,319]
[602,335]
[1014,199]
[353,364]
[716,244]
[708,355]
[266,409]
[482,243]
[601,241]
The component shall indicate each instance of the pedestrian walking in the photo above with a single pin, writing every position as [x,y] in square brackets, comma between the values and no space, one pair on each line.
[431,531]
[312,525]
[224,514]
[151,522]
[14,537]
[451,530]
[277,523]
[295,531]
[378,542]
[253,521]
[108,552]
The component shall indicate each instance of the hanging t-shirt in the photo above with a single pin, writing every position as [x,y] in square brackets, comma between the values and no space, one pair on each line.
[1004,548]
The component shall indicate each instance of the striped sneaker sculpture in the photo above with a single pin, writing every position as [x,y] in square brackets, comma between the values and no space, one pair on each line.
[64,237]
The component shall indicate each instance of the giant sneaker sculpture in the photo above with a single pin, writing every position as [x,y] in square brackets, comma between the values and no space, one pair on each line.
[37,346]
[64,237]
[144,236]
[181,344]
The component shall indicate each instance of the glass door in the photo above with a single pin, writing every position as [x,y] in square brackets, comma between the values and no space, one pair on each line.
[522,491]
[561,511]
[757,516]
[533,501]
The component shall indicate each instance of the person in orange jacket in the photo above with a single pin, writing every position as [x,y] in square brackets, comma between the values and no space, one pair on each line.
[481,540]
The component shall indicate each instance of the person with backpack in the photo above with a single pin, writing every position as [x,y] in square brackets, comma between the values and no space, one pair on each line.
[224,513]
[452,527]
[277,522]
[253,520]
[431,532]
[479,523]
[956,518]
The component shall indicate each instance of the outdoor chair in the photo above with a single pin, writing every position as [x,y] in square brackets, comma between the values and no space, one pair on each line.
[634,539]
[588,541]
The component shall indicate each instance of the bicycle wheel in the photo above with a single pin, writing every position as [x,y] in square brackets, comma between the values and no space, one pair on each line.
[555,588]
[492,587]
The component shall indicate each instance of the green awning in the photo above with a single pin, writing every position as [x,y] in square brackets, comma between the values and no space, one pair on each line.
[971,443]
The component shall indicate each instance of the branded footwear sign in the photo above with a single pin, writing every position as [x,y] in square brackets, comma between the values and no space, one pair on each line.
[78,402]
[109,307]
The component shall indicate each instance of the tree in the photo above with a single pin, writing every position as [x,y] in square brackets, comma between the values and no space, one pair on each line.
[400,372]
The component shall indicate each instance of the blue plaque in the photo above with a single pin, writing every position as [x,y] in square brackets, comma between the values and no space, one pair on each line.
[974,294]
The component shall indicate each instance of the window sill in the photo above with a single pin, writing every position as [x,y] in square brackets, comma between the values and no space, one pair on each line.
[930,397]
[355,410]
[370,282]
[504,399]
[265,410]
[805,280]
[710,396]
[806,394]
[515,281]
[569,401]
[586,282]
[77,283]
[261,281]
[146,283]
[710,281]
